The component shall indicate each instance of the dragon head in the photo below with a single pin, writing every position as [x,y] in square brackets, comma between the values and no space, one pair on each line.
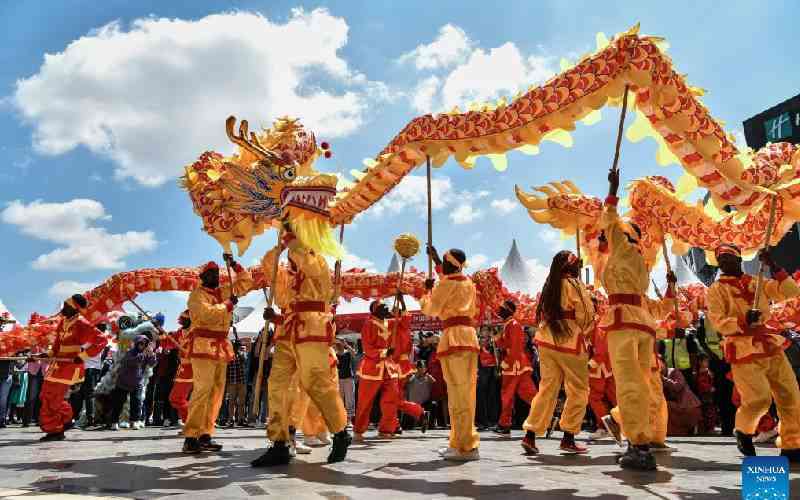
[270,177]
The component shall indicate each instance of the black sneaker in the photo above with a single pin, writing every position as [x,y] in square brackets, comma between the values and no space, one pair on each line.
[277,454]
[191,446]
[207,444]
[503,431]
[53,436]
[793,455]
[613,428]
[637,459]
[745,444]
[341,441]
[426,419]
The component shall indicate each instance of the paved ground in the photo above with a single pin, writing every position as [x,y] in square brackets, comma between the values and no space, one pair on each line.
[147,464]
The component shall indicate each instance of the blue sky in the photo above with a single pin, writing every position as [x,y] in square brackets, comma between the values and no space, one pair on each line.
[93,137]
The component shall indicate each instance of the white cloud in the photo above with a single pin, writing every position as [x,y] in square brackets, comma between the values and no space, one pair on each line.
[488,75]
[450,47]
[424,94]
[504,205]
[741,142]
[412,192]
[465,213]
[155,96]
[4,309]
[482,194]
[554,240]
[64,289]
[84,246]
[537,275]
[351,261]
[477,261]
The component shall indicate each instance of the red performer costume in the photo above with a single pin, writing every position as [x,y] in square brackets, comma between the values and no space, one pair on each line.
[72,332]
[516,367]
[379,372]
[602,388]
[182,386]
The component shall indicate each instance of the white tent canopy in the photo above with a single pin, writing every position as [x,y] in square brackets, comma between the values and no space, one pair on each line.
[4,309]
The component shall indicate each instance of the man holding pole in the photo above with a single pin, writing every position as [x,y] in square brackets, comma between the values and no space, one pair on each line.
[454,301]
[630,328]
[210,312]
[72,332]
[738,310]
[304,290]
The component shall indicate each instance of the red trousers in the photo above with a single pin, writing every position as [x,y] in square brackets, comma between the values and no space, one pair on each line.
[179,398]
[390,403]
[407,407]
[602,394]
[55,411]
[515,385]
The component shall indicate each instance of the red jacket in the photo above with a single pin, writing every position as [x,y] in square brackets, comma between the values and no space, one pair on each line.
[600,363]
[402,345]
[179,340]
[515,359]
[376,339]
[71,335]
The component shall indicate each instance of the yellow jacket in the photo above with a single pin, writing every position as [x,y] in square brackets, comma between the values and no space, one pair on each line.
[626,279]
[303,294]
[211,316]
[728,301]
[454,301]
[578,320]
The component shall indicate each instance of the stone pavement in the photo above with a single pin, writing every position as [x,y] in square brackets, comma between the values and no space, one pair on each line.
[148,464]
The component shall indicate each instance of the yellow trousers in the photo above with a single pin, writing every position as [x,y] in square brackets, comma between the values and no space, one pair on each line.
[304,414]
[557,368]
[207,395]
[658,410]
[311,362]
[631,353]
[760,381]
[460,371]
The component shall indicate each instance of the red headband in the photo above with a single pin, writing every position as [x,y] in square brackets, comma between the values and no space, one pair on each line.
[209,265]
[729,249]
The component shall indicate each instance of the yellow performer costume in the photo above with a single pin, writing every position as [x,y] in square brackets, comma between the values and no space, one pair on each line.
[629,321]
[304,291]
[454,301]
[562,352]
[760,370]
[211,311]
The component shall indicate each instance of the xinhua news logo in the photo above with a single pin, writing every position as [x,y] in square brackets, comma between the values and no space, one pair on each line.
[765,478]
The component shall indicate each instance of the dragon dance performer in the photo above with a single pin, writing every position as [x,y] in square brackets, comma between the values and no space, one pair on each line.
[602,388]
[631,329]
[454,301]
[306,330]
[379,372]
[516,367]
[403,347]
[760,370]
[565,314]
[72,332]
[182,386]
[210,312]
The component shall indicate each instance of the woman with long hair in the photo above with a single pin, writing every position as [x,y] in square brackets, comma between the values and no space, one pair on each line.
[565,315]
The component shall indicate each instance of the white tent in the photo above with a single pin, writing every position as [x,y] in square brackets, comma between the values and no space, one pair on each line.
[7,317]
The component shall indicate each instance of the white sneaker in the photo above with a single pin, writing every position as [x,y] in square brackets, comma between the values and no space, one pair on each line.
[312,441]
[167,423]
[125,425]
[115,427]
[599,434]
[302,449]
[324,438]
[458,456]
[444,451]
[292,450]
[766,437]
[138,425]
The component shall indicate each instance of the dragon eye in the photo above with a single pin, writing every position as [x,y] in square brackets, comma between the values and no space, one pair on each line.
[288,173]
